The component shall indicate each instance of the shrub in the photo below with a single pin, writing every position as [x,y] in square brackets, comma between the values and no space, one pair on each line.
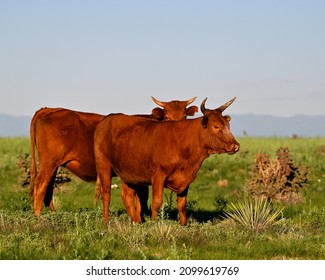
[279,179]
[220,204]
[24,162]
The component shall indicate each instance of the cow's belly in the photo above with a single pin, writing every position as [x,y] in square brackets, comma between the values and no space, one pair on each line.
[134,178]
[131,169]
[84,170]
[179,181]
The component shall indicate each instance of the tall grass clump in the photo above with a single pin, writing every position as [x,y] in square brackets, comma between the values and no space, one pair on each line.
[256,214]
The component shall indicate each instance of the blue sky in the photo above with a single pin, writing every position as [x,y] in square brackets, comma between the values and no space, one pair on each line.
[111,56]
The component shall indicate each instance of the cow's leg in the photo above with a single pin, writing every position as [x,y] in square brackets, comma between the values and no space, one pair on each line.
[48,199]
[142,195]
[128,194]
[97,190]
[181,206]
[157,195]
[106,180]
[105,173]
[44,180]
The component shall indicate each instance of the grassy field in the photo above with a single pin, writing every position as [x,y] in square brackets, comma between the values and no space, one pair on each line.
[76,230]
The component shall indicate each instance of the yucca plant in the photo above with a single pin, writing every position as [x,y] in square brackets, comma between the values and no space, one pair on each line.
[256,214]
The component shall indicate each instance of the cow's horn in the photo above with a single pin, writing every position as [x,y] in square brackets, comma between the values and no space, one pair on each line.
[160,103]
[226,105]
[188,102]
[203,109]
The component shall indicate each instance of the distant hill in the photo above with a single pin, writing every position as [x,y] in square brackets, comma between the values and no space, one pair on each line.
[250,125]
[11,126]
[269,126]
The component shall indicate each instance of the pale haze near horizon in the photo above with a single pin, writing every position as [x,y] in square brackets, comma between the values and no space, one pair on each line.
[111,56]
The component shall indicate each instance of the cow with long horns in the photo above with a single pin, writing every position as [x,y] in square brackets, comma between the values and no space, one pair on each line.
[161,154]
[174,110]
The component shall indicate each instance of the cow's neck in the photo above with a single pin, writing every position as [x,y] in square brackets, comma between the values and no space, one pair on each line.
[191,155]
[195,146]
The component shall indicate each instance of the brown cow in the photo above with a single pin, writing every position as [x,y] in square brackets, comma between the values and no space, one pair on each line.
[173,111]
[161,154]
[65,138]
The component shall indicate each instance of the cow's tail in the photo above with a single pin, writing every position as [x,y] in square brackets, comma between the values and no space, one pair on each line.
[33,167]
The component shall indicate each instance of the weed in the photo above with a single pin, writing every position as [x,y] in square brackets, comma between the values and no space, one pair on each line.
[220,204]
[169,204]
[164,230]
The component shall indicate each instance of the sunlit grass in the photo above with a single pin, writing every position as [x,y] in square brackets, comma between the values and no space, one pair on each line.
[76,230]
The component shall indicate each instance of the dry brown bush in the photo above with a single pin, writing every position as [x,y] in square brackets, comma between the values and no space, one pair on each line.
[23,162]
[278,179]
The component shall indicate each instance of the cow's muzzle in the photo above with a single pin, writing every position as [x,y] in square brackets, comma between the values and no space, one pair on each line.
[235,148]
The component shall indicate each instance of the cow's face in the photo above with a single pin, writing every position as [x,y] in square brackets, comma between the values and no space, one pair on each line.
[174,110]
[219,137]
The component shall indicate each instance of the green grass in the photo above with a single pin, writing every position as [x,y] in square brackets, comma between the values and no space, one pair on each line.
[76,229]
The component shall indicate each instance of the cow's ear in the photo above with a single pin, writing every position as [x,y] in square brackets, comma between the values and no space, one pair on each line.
[190,111]
[158,113]
[205,121]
